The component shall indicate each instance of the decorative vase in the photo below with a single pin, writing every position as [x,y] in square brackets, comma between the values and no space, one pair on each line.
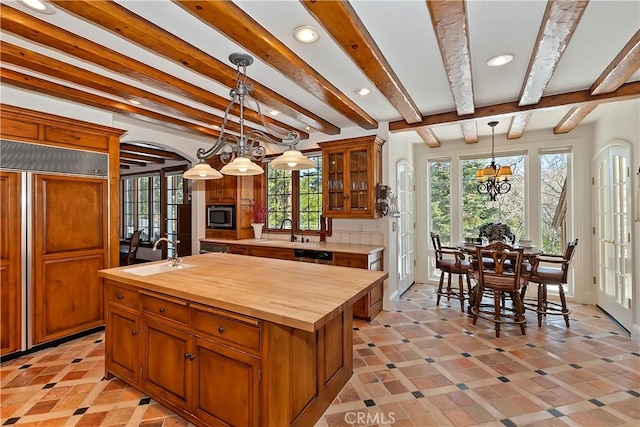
[257,230]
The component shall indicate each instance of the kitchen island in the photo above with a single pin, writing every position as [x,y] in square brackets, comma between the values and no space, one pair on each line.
[226,339]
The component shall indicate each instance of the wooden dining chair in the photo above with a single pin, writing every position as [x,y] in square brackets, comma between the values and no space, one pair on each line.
[450,260]
[502,280]
[129,256]
[545,275]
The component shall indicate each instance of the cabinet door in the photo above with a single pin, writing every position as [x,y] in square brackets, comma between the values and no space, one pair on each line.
[359,170]
[70,222]
[167,363]
[10,262]
[227,385]
[123,344]
[335,181]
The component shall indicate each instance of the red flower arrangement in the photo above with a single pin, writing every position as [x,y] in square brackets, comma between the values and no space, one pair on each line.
[259,213]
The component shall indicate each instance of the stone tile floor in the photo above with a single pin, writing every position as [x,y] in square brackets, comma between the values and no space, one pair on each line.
[419,365]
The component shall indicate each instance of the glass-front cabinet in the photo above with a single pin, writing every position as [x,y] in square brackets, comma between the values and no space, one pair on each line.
[352,168]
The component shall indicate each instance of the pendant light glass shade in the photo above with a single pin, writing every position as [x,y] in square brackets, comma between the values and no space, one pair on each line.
[241,166]
[202,170]
[292,160]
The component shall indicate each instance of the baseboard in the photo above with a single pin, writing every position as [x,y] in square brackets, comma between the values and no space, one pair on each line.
[49,344]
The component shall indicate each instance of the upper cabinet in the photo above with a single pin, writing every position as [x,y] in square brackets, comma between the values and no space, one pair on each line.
[351,168]
[223,190]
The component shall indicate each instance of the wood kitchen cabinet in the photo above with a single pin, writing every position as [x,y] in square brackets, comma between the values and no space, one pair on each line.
[240,191]
[10,262]
[369,306]
[125,335]
[351,170]
[223,190]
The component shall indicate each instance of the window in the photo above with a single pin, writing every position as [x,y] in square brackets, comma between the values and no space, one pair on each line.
[553,202]
[144,200]
[508,209]
[175,197]
[295,195]
[141,206]
[439,183]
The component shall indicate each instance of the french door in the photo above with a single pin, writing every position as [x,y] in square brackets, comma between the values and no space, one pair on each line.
[613,211]
[406,227]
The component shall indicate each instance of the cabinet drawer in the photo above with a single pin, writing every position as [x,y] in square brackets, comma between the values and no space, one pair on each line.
[167,307]
[350,260]
[271,252]
[123,296]
[234,328]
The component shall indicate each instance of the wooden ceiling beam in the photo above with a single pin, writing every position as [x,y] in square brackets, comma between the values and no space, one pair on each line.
[43,33]
[508,109]
[39,85]
[141,158]
[560,20]
[34,61]
[620,69]
[469,132]
[238,26]
[342,23]
[449,20]
[139,31]
[617,72]
[131,148]
[518,124]
[573,118]
[132,162]
[429,137]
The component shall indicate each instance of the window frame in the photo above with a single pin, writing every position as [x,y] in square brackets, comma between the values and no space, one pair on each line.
[162,174]
[295,201]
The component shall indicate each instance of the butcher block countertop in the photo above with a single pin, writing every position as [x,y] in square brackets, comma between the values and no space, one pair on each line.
[315,246]
[295,294]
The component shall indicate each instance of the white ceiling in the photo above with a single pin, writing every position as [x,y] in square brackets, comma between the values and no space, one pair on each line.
[403,32]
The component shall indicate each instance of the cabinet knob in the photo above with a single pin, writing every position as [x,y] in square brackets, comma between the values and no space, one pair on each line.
[120,296]
[134,332]
[189,356]
[221,329]
[162,309]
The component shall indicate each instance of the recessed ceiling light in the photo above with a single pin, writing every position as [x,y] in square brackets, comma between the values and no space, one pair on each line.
[134,101]
[39,6]
[274,112]
[307,128]
[499,60]
[363,91]
[306,34]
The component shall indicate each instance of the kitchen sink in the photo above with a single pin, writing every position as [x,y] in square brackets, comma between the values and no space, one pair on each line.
[148,270]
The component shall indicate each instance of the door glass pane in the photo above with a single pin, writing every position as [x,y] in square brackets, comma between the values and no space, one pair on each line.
[174,198]
[439,182]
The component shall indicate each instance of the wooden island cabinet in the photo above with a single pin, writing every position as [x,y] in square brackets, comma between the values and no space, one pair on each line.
[232,340]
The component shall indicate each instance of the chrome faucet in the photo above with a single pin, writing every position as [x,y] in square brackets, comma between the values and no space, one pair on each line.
[175,261]
[293,238]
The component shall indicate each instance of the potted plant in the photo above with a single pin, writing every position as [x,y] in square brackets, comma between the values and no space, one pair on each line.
[258,217]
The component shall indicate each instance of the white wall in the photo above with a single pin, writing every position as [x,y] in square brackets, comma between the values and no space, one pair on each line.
[622,122]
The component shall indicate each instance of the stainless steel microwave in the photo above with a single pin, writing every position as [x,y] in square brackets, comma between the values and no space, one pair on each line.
[221,217]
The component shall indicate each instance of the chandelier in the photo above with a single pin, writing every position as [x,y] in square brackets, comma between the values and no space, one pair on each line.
[493,179]
[239,152]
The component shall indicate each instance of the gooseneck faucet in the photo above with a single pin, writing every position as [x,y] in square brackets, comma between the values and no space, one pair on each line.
[175,261]
[293,238]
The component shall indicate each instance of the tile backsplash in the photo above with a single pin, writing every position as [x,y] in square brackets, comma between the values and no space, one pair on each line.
[345,236]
